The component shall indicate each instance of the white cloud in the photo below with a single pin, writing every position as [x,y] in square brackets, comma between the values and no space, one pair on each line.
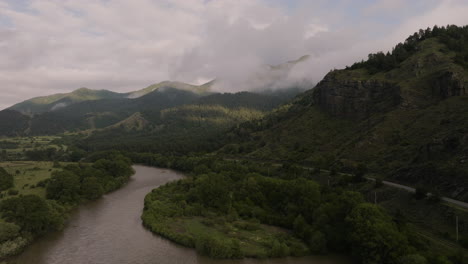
[60,45]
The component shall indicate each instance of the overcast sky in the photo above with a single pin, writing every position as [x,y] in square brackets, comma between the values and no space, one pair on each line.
[51,46]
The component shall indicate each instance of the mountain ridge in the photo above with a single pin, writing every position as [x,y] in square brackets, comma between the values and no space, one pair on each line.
[406,122]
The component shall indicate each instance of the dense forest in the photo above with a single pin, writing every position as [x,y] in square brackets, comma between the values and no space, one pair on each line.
[454,37]
[326,219]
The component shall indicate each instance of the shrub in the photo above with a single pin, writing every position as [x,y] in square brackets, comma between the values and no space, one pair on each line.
[13,247]
[8,231]
[217,248]
[420,193]
[6,180]
[413,259]
[318,243]
[279,249]
[13,192]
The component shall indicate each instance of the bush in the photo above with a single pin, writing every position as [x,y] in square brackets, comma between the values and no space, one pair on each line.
[6,180]
[318,243]
[279,249]
[13,247]
[217,248]
[413,259]
[8,231]
[420,193]
[13,192]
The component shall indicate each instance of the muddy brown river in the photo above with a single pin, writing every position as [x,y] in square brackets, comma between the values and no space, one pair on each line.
[110,231]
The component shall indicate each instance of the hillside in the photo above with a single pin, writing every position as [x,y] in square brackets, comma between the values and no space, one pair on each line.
[12,123]
[198,89]
[197,125]
[402,114]
[43,104]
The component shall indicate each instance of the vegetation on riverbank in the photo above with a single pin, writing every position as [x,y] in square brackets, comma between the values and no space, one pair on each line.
[330,224]
[45,196]
[325,219]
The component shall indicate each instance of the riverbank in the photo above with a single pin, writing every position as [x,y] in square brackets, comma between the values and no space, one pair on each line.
[109,230]
[26,217]
[326,219]
[211,233]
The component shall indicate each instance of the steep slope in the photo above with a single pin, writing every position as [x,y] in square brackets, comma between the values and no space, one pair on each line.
[406,120]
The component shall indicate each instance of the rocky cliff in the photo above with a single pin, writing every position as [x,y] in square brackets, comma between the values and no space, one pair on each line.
[355,99]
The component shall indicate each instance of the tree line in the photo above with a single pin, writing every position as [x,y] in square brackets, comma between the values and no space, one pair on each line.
[454,37]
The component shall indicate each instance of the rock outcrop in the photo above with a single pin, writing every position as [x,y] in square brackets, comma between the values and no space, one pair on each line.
[355,99]
[449,84]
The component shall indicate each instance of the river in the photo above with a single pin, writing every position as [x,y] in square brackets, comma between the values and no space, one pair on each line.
[110,231]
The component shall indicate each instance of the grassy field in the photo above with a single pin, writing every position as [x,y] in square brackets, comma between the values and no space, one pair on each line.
[15,147]
[27,174]
[255,239]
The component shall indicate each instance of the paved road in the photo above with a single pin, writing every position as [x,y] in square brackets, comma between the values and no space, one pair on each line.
[411,189]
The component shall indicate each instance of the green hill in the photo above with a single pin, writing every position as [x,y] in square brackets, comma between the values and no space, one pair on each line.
[402,114]
[53,102]
[198,89]
[39,105]
[13,123]
[193,126]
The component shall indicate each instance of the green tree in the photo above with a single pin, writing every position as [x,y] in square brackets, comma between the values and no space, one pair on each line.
[8,231]
[119,166]
[317,242]
[6,180]
[91,189]
[413,259]
[64,186]
[279,249]
[32,213]
[211,190]
[373,236]
[300,226]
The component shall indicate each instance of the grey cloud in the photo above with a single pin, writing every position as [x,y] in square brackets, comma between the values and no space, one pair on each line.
[61,45]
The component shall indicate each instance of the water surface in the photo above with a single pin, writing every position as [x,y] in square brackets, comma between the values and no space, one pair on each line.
[110,231]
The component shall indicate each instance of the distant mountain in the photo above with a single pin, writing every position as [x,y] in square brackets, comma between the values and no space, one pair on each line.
[198,89]
[270,76]
[102,113]
[193,126]
[43,104]
[402,114]
[39,105]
